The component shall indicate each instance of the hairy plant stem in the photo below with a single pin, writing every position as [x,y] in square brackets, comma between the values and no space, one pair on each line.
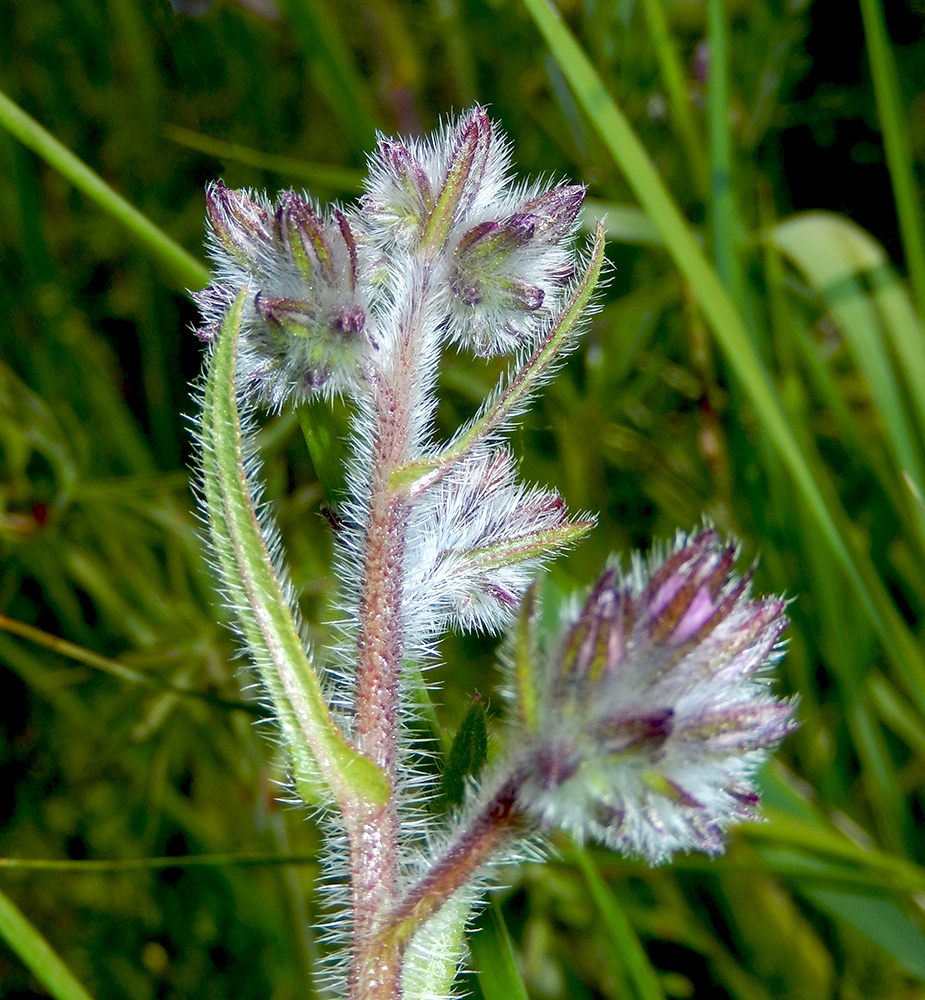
[376,970]
[481,839]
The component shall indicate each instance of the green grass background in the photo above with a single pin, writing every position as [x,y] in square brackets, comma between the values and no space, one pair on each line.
[760,359]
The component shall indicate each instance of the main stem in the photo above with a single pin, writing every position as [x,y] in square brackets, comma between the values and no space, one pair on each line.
[374,840]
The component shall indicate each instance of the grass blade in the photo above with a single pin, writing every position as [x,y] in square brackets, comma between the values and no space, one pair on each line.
[895,128]
[880,920]
[672,73]
[629,951]
[493,955]
[335,71]
[836,257]
[320,176]
[722,196]
[183,268]
[37,954]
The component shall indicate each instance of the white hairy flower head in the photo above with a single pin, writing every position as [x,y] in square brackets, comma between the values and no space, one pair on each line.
[305,328]
[503,250]
[656,709]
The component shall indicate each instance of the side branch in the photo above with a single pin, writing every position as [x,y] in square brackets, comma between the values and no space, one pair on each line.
[481,840]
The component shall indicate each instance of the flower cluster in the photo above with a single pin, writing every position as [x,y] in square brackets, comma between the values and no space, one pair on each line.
[308,292]
[481,537]
[655,708]
[321,284]
[504,249]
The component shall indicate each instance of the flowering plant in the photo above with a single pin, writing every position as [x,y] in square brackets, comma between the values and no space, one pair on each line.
[640,724]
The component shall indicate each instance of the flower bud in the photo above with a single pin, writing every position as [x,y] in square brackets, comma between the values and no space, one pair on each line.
[506,272]
[304,328]
[655,709]
[483,535]
[238,225]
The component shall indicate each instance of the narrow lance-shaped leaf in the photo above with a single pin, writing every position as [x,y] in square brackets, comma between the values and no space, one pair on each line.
[36,953]
[531,545]
[468,753]
[258,594]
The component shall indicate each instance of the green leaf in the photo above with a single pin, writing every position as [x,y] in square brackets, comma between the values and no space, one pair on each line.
[260,593]
[37,954]
[431,970]
[468,753]
[525,657]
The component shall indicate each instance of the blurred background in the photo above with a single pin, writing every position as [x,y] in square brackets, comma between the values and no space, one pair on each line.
[787,132]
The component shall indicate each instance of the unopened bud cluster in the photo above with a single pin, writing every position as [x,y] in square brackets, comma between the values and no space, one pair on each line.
[656,708]
[307,302]
[321,284]
[504,249]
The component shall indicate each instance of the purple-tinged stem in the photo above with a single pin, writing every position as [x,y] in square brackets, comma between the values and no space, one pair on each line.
[374,838]
[480,841]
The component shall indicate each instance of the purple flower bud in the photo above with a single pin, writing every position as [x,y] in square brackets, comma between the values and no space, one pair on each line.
[506,270]
[304,325]
[656,709]
[410,173]
[213,302]
[238,223]
[495,238]
[300,314]
[555,212]
[425,194]
[302,233]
